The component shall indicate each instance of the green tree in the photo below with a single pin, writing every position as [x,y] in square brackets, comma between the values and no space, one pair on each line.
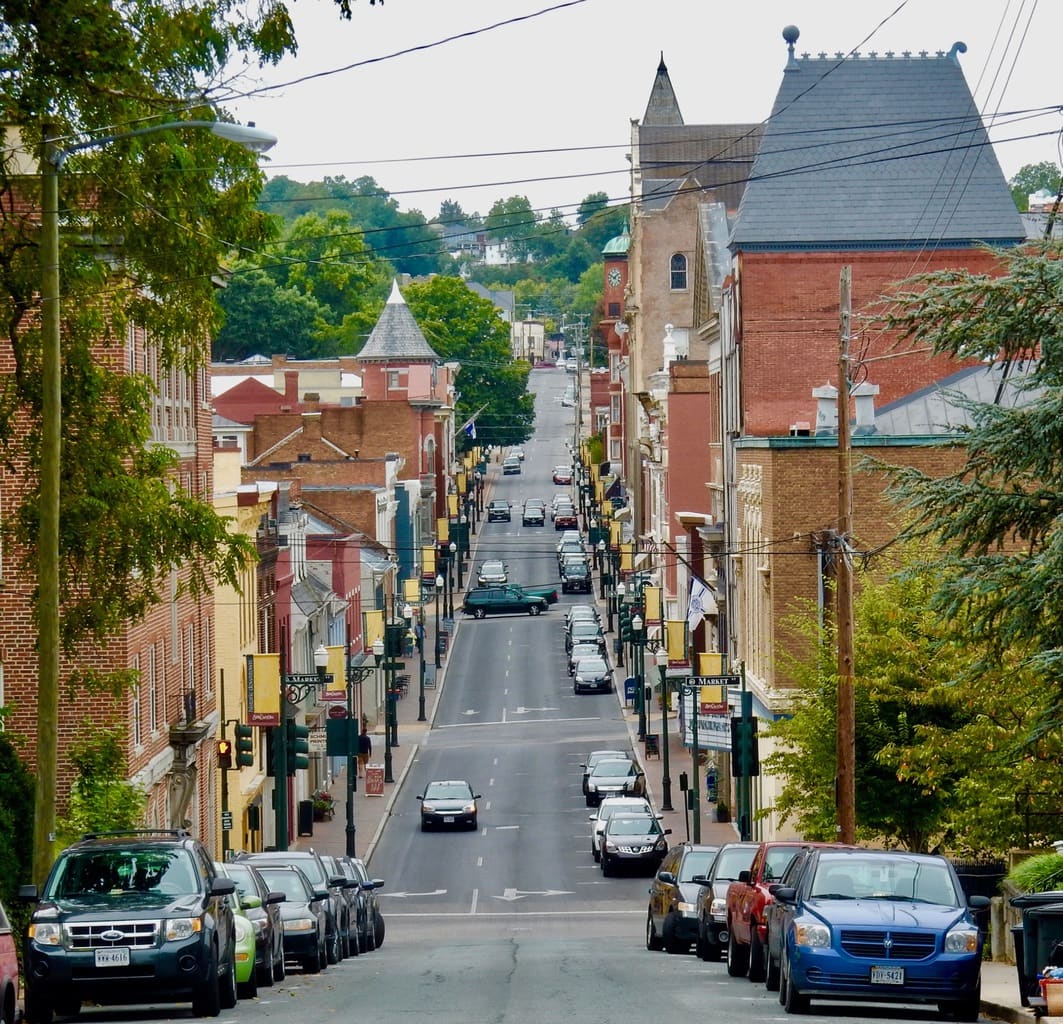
[460,325]
[514,222]
[16,823]
[599,222]
[1033,178]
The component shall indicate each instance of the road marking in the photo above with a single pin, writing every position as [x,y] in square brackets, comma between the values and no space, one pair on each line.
[475,900]
[517,894]
[525,711]
[526,721]
[404,895]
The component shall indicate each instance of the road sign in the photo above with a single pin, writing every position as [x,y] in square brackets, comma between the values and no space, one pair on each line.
[317,741]
[227,821]
[337,711]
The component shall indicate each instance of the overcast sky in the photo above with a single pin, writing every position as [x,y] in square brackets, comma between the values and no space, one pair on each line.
[565,78]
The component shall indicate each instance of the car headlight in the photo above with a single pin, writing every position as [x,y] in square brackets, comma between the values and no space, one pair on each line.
[962,939]
[244,929]
[579,679]
[428,808]
[718,907]
[686,908]
[301,924]
[814,936]
[47,933]
[178,928]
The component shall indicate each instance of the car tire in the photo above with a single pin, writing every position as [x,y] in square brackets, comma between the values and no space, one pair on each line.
[249,988]
[671,943]
[737,956]
[206,999]
[653,940]
[370,936]
[472,824]
[37,1009]
[758,955]
[479,613]
[332,947]
[312,964]
[607,866]
[793,1001]
[378,931]
[595,854]
[228,993]
[771,973]
[534,610]
[702,949]
[280,970]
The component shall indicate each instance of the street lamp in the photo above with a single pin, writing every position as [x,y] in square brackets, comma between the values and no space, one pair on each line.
[660,657]
[688,689]
[378,654]
[408,613]
[355,674]
[53,157]
[600,552]
[638,639]
[621,590]
[450,578]
[321,660]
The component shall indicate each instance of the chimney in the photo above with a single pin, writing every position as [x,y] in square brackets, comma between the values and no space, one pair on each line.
[826,409]
[291,386]
[865,407]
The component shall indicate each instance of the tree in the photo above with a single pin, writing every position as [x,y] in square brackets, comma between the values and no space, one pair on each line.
[16,823]
[514,222]
[599,222]
[1033,178]
[460,325]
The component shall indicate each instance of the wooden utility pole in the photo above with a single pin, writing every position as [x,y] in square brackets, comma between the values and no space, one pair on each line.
[845,800]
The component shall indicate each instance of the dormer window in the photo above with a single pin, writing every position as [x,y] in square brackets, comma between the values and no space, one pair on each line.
[678,271]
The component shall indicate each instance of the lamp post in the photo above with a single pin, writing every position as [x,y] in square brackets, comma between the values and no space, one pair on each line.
[460,548]
[419,633]
[621,590]
[450,577]
[439,586]
[687,689]
[379,654]
[53,157]
[599,550]
[660,658]
[356,674]
[638,640]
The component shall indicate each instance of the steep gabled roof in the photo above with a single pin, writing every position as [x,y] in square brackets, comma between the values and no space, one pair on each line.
[662,107]
[875,152]
[396,338]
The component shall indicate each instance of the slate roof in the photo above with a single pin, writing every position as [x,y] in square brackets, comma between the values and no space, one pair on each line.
[875,151]
[662,107]
[396,338]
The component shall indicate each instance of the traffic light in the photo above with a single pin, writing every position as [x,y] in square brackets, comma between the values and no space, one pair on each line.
[245,746]
[625,623]
[394,634]
[745,755]
[297,740]
[225,755]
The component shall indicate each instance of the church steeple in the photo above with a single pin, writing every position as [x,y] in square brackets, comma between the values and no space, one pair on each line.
[663,107]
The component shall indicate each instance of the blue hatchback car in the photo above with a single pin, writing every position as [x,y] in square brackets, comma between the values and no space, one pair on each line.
[880,926]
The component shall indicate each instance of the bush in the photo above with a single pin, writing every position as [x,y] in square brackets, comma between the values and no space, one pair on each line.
[1038,874]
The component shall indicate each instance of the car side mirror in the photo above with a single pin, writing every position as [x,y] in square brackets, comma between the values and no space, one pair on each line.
[785,894]
[28,893]
[250,902]
[744,876]
[699,880]
[222,886]
[667,831]
[978,902]
[275,897]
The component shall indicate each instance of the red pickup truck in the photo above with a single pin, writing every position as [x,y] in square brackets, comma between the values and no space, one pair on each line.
[746,899]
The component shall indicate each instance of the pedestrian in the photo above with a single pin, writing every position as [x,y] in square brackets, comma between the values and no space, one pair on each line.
[365,750]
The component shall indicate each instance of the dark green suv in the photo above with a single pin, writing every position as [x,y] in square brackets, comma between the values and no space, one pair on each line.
[130,917]
[481,601]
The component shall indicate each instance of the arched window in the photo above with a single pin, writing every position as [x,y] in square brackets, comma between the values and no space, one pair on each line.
[679,272]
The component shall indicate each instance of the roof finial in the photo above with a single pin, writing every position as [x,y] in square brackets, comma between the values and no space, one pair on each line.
[791,34]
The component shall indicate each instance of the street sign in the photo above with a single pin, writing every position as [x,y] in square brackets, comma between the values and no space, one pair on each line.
[316,741]
[227,821]
[337,711]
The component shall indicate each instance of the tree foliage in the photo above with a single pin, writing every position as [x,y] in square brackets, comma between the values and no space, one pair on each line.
[1033,178]
[460,325]
[16,824]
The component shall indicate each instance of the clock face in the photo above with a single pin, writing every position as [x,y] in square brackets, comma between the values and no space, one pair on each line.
[614,277]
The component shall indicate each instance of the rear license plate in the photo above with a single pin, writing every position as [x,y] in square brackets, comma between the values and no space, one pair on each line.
[115,956]
[448,819]
[887,975]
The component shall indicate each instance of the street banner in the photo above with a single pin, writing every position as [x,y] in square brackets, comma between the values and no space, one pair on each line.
[336,690]
[263,689]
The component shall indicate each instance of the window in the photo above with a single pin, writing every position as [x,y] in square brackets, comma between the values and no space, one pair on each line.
[679,272]
[153,691]
[138,738]
[614,309]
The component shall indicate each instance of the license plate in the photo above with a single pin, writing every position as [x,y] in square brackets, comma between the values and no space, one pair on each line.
[448,819]
[114,956]
[887,975]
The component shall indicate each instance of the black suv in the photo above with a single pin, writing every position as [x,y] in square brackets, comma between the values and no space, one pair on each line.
[481,601]
[130,917]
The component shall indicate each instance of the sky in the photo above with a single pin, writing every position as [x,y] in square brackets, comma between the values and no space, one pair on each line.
[500,98]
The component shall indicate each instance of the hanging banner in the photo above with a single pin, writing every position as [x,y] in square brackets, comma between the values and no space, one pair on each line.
[443,530]
[652,597]
[428,568]
[337,689]
[675,633]
[263,689]
[372,627]
[710,663]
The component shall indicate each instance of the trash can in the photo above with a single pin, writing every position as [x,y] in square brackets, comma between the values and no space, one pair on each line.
[1040,944]
[305,817]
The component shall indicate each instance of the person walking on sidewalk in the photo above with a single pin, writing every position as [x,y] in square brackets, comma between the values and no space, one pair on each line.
[365,749]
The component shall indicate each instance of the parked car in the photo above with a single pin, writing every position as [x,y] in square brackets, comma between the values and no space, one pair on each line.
[262,908]
[244,947]
[672,912]
[569,547]
[576,578]
[569,536]
[517,453]
[565,517]
[499,511]
[580,612]
[534,513]
[614,778]
[310,862]
[586,650]
[510,466]
[492,571]
[592,674]
[9,973]
[601,755]
[773,919]
[304,915]
[352,894]
[155,890]
[632,841]
[448,802]
[562,474]
[606,809]
[747,900]
[881,926]
[373,935]
[712,897]
[499,600]
[585,632]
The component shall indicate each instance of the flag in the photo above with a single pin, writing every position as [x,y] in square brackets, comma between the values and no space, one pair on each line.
[700,596]
[470,430]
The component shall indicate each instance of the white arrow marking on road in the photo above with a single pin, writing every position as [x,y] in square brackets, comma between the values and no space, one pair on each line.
[524,711]
[470,711]
[403,895]
[515,894]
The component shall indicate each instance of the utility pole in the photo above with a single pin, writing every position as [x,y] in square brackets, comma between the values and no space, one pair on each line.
[845,801]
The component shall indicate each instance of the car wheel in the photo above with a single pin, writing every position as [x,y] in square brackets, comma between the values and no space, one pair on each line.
[595,854]
[653,940]
[607,866]
[312,964]
[534,610]
[737,957]
[378,931]
[771,973]
[332,947]
[968,1009]
[701,946]
[791,999]
[370,936]
[479,613]
[38,1009]
[345,940]
[472,824]
[280,971]
[249,988]
[206,999]
[424,825]
[757,955]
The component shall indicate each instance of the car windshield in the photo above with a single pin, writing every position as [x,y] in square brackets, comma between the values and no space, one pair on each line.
[585,628]
[287,882]
[583,651]
[778,859]
[499,504]
[242,877]
[614,769]
[902,879]
[535,503]
[607,810]
[592,666]
[697,862]
[165,871]
[626,825]
[495,568]
[447,791]
[730,862]
[312,869]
